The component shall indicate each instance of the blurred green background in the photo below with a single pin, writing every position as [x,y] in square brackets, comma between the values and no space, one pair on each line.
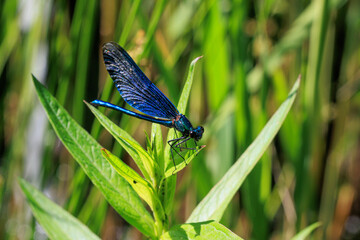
[252,53]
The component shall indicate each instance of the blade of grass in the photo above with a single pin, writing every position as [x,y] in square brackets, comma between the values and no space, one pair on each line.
[214,204]
[129,22]
[167,74]
[304,192]
[154,21]
[8,43]
[76,62]
[216,64]
[83,58]
[303,234]
[95,220]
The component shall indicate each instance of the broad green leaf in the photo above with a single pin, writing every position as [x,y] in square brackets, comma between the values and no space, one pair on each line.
[140,185]
[58,223]
[142,159]
[303,234]
[201,230]
[86,151]
[213,205]
[167,188]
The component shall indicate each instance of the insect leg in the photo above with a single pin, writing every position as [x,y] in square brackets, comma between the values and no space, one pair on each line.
[177,137]
[183,141]
[195,148]
[179,143]
[172,142]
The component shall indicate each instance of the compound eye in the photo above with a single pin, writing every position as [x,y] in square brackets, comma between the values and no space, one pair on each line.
[199,133]
[192,134]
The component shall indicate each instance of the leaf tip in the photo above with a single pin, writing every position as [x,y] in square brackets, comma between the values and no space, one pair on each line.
[35,81]
[295,87]
[298,80]
[196,59]
[104,151]
[87,103]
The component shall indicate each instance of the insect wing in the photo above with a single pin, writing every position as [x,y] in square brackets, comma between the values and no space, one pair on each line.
[135,88]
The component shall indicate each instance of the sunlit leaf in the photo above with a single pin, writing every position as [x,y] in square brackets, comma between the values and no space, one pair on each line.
[140,185]
[214,204]
[201,230]
[168,185]
[182,105]
[142,159]
[86,151]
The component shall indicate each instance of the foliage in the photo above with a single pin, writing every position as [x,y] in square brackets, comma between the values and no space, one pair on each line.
[119,190]
[252,52]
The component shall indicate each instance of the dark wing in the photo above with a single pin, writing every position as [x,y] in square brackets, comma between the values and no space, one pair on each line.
[135,88]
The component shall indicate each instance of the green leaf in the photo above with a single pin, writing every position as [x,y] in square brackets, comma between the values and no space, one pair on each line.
[140,185]
[217,60]
[184,97]
[167,188]
[181,105]
[86,151]
[213,205]
[201,230]
[142,159]
[158,145]
[306,232]
[153,24]
[58,223]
